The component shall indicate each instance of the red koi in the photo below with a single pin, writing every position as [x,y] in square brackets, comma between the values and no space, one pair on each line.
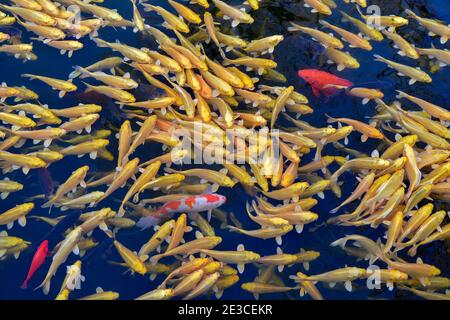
[323,82]
[37,261]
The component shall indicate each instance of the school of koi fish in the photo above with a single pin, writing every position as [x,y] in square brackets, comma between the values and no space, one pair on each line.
[219,89]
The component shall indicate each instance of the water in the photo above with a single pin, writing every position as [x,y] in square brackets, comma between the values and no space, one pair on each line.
[296,52]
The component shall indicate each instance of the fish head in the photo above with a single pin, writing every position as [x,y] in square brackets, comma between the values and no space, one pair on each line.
[217,199]
[44,246]
[309,75]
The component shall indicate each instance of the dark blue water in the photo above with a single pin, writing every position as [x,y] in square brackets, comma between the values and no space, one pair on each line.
[296,52]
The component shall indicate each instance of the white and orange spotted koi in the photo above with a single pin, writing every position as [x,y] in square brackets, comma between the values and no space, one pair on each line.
[196,203]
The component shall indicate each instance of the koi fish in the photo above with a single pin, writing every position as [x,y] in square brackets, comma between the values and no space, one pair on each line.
[37,261]
[197,203]
[320,81]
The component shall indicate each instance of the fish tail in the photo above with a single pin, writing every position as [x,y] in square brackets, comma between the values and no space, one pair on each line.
[335,209]
[47,204]
[87,85]
[331,119]
[80,71]
[101,43]
[74,74]
[410,13]
[226,62]
[121,210]
[147,222]
[339,242]
[27,75]
[379,58]
[413,251]
[222,53]
[170,170]
[37,39]
[150,7]
[401,94]
[233,228]
[154,260]
[324,23]
[344,15]
[46,289]
[43,283]
[20,21]
[24,284]
[295,27]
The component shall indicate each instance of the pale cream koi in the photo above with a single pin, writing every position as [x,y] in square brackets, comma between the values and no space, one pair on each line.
[65,247]
[80,202]
[381,22]
[17,213]
[395,228]
[186,12]
[345,275]
[365,29]
[38,111]
[62,86]
[121,96]
[46,135]
[396,149]
[318,6]
[29,4]
[157,294]
[308,287]
[361,163]
[125,82]
[26,162]
[264,45]
[325,39]
[236,16]
[342,59]
[443,56]
[171,20]
[17,121]
[261,288]
[366,130]
[96,219]
[130,258]
[122,176]
[434,110]
[354,40]
[89,147]
[280,103]
[101,12]
[190,247]
[81,123]
[265,233]
[8,186]
[415,74]
[105,64]
[30,15]
[204,286]
[43,31]
[434,27]
[77,111]
[405,48]
[128,52]
[257,64]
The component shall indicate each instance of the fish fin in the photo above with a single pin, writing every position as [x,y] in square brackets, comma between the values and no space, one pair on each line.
[315,91]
